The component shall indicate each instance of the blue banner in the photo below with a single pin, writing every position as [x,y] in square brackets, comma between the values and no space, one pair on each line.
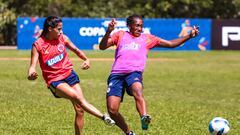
[86,33]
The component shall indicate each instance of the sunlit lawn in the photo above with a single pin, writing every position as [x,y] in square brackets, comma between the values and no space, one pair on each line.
[183,90]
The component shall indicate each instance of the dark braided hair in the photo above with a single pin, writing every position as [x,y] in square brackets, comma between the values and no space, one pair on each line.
[50,21]
[131,18]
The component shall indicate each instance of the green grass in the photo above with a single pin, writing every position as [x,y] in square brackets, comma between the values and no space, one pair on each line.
[183,93]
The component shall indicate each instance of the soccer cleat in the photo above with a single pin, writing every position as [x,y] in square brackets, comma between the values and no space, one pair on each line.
[145,120]
[108,120]
[130,133]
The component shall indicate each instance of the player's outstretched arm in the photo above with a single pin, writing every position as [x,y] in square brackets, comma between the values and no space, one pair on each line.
[106,41]
[179,41]
[86,63]
[32,74]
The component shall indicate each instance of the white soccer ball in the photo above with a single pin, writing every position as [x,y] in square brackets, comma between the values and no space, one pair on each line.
[219,126]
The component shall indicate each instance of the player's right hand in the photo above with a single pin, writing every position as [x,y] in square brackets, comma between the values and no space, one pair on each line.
[112,25]
[85,65]
[32,76]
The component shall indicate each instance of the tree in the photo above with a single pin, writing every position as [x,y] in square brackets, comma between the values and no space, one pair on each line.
[7,25]
[11,9]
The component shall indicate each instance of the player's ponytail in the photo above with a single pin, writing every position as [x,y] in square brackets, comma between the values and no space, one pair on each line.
[50,21]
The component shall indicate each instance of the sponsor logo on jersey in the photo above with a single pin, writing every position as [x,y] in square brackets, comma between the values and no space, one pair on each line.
[131,46]
[55,59]
[46,52]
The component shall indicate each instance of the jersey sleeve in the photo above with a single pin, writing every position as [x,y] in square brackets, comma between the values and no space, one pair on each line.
[116,37]
[152,41]
[37,44]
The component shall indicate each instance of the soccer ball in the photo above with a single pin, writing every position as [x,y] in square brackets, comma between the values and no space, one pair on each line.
[219,126]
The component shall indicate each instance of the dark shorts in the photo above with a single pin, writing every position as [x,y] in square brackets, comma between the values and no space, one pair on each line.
[71,80]
[119,83]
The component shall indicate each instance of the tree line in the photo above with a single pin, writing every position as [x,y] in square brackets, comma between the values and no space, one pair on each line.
[12,9]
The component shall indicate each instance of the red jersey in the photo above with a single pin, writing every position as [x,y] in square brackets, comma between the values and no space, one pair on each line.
[53,58]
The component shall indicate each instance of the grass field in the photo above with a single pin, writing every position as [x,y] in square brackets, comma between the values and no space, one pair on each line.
[183,90]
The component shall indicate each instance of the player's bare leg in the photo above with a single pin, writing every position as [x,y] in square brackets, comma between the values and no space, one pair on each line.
[113,104]
[75,94]
[79,119]
[137,91]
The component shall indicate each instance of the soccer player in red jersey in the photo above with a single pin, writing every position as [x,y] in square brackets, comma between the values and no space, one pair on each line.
[57,70]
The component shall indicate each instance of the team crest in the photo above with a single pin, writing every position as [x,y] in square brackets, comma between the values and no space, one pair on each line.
[60,47]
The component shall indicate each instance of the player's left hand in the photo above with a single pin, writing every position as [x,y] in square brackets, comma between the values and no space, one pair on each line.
[194,31]
[85,65]
[32,76]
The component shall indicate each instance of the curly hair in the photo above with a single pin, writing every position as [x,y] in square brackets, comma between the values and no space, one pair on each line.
[131,18]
